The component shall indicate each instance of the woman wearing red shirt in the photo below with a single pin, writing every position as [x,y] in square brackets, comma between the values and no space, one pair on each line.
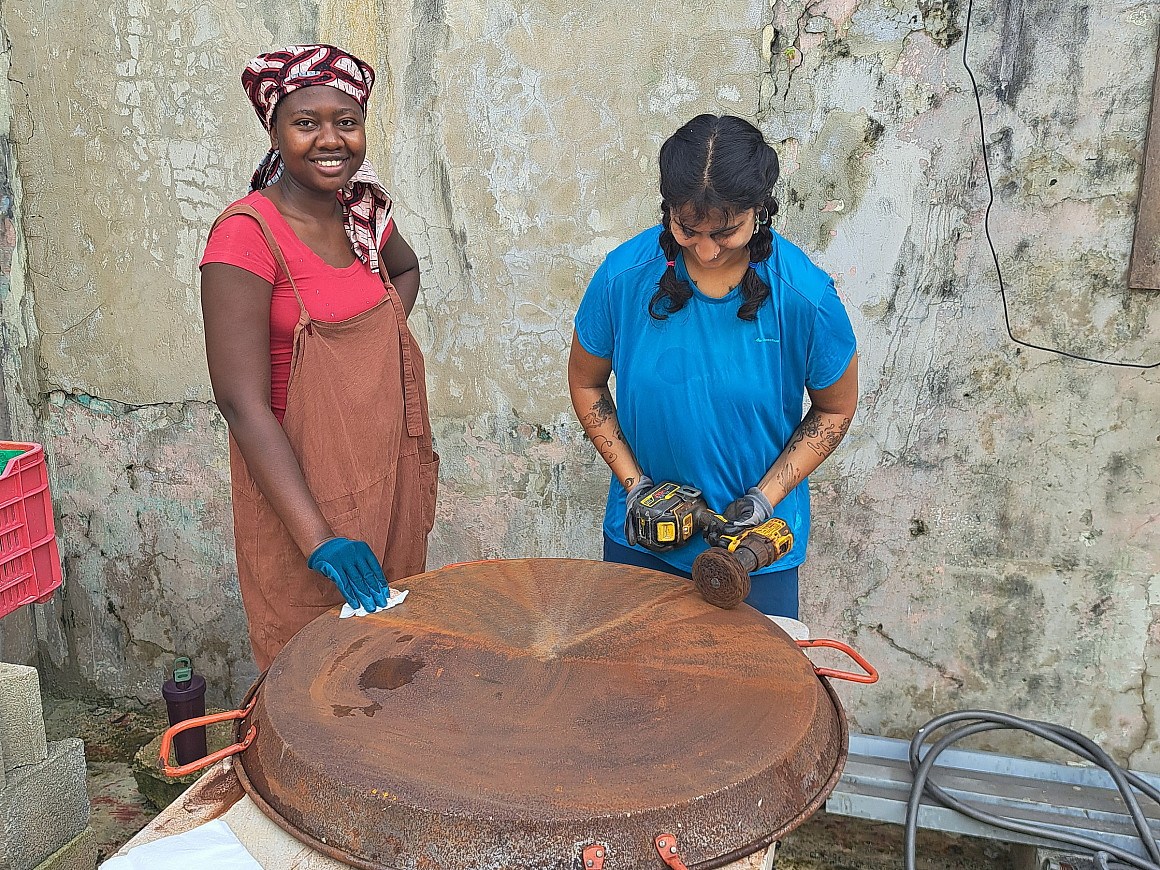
[306,284]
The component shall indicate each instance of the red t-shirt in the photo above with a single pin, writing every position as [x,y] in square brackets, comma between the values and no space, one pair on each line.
[328,293]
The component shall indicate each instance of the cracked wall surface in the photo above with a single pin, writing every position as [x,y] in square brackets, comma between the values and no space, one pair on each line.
[987,535]
[17,347]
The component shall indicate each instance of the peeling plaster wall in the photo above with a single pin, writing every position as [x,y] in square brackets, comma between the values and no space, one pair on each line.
[17,357]
[129,137]
[987,534]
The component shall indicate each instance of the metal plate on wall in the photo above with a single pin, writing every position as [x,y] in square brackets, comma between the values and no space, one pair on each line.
[510,713]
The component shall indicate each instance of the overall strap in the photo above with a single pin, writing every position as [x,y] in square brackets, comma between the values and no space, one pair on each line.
[250,211]
[412,410]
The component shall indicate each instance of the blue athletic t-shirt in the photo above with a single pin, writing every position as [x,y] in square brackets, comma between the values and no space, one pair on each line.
[705,398]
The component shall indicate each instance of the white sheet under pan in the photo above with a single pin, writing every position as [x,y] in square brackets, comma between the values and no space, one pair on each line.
[210,845]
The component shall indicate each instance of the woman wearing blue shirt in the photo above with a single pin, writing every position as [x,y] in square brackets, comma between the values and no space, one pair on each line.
[716,327]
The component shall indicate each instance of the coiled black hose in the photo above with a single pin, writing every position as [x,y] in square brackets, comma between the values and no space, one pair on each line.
[1107,856]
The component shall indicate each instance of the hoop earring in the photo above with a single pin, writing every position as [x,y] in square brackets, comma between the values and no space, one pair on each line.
[761,221]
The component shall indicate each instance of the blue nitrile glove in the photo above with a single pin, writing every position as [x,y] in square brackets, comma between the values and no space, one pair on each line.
[355,571]
[752,509]
[638,491]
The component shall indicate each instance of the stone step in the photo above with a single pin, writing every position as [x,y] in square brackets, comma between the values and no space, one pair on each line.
[152,782]
[44,806]
[79,853]
[22,738]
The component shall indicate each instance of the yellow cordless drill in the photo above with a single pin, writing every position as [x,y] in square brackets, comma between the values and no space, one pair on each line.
[721,573]
[670,514]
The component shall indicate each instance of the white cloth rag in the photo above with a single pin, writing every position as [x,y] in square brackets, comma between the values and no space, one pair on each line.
[795,629]
[210,845]
[396,597]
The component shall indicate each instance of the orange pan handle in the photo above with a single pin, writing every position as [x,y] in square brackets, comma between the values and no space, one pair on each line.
[871,675]
[201,763]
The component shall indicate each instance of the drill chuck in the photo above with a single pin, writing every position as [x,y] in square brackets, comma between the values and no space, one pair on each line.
[746,559]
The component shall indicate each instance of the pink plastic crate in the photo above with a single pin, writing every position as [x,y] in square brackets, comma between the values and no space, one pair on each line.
[29,559]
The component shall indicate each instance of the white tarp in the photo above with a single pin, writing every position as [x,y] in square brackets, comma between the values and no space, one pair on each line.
[210,845]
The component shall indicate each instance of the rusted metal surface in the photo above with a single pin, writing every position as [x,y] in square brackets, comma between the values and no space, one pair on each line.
[1144,268]
[511,714]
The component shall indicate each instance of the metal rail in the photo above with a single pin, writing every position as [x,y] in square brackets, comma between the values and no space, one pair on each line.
[1076,798]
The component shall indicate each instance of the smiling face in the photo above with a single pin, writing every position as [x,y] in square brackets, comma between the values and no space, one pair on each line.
[321,134]
[719,240]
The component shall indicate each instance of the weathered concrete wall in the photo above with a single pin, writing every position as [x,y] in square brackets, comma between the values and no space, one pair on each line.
[988,533]
[18,381]
[127,150]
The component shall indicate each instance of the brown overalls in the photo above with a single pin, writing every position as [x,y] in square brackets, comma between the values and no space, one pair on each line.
[356,418]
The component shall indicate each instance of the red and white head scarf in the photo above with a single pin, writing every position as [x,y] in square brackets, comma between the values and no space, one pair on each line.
[269,77]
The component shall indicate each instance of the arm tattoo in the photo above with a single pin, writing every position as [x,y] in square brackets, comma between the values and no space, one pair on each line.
[601,412]
[821,436]
[786,477]
[604,447]
[596,423]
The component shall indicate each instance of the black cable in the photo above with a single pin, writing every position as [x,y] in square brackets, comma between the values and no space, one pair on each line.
[979,721]
[987,224]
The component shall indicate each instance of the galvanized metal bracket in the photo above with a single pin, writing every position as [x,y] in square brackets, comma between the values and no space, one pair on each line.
[594,856]
[667,847]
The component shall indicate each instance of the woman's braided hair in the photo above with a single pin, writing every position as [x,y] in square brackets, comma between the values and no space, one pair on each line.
[716,164]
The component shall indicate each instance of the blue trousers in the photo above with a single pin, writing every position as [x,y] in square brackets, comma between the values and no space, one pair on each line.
[774,594]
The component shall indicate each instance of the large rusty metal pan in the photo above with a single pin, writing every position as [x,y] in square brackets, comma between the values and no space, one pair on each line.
[513,714]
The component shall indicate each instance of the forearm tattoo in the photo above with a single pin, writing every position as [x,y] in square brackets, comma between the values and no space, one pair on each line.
[602,413]
[821,435]
[817,432]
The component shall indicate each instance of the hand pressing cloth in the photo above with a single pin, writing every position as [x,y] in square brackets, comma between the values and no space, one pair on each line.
[396,597]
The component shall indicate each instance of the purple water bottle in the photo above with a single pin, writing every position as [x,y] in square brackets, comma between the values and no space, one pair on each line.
[185,699]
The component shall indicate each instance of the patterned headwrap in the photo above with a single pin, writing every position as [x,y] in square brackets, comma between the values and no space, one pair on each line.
[269,77]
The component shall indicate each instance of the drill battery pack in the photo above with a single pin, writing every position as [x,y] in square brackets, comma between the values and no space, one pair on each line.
[667,515]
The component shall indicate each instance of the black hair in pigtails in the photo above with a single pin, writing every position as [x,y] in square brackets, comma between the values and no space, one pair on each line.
[672,293]
[717,164]
[754,291]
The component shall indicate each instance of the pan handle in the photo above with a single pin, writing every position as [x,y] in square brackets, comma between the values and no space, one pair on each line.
[871,675]
[201,763]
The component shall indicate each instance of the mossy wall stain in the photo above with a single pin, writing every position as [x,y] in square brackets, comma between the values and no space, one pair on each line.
[940,21]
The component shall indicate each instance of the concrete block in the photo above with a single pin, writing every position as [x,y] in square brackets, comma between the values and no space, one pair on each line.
[79,853]
[44,806]
[22,738]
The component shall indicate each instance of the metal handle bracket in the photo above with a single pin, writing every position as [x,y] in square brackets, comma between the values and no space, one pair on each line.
[871,675]
[594,856]
[667,847]
[201,763]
